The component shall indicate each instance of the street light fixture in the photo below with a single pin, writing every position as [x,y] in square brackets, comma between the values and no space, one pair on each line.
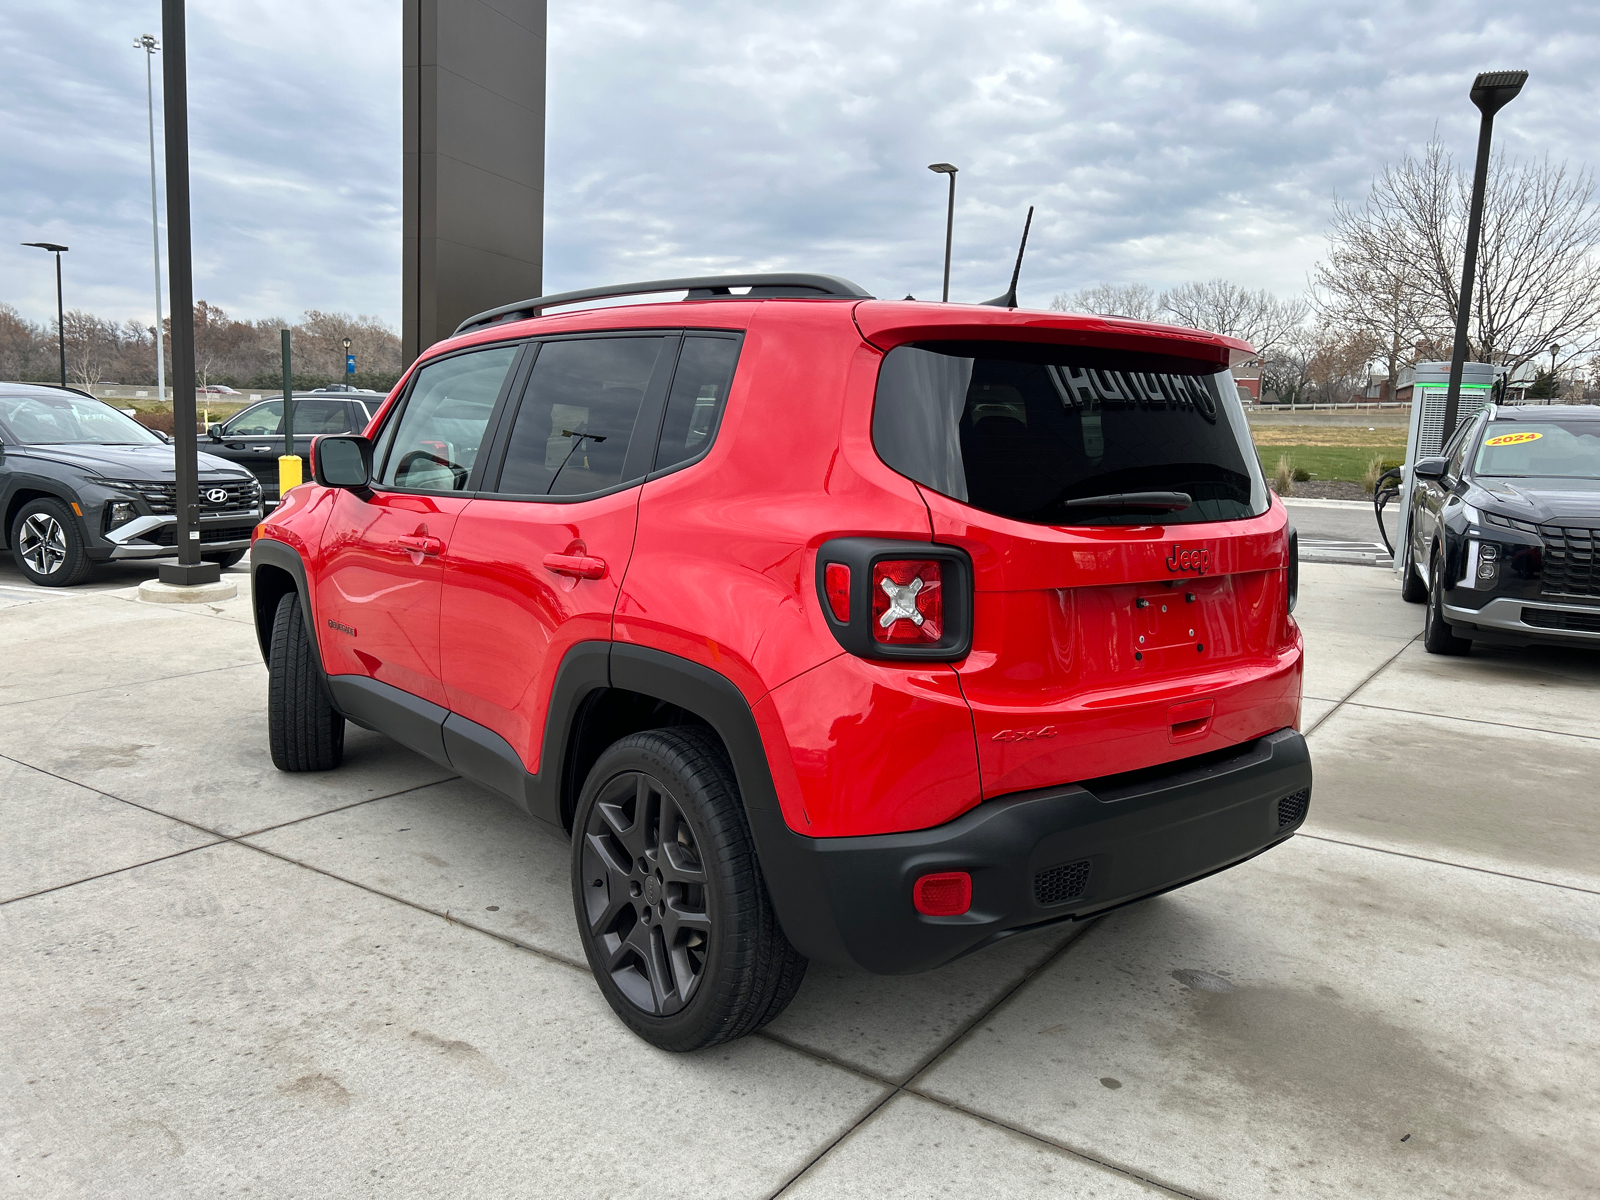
[1491,91]
[149,45]
[349,370]
[61,316]
[949,220]
[1555,348]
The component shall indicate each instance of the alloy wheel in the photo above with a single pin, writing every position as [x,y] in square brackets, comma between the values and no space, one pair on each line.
[644,892]
[42,542]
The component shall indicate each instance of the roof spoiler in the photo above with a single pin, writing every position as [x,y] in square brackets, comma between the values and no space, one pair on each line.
[699,287]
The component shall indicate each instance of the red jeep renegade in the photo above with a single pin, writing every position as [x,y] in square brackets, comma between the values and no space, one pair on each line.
[828,627]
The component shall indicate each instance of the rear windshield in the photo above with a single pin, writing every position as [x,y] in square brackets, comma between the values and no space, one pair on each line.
[1022,430]
[1559,449]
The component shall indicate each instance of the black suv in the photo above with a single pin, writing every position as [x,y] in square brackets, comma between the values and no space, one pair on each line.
[82,482]
[1503,530]
[253,437]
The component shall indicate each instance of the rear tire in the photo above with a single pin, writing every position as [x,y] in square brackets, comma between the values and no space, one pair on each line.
[303,729]
[1437,636]
[47,544]
[671,905]
[226,559]
[1412,589]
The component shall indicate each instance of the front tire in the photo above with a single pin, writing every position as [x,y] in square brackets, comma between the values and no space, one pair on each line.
[1412,589]
[303,729]
[47,544]
[1437,636]
[226,559]
[671,905]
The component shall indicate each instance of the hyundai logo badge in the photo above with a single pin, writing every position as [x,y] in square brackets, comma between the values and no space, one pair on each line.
[216,495]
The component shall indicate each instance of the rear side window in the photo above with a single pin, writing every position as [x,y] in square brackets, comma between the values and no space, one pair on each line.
[433,445]
[1020,429]
[322,416]
[699,393]
[577,417]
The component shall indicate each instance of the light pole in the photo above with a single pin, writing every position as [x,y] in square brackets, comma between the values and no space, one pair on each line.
[349,367]
[1555,348]
[949,220]
[1491,91]
[148,44]
[61,316]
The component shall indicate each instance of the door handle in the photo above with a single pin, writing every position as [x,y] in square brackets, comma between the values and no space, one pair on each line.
[421,544]
[578,566]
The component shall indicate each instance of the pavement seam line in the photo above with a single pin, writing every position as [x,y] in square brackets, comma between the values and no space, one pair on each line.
[1413,712]
[1445,862]
[130,684]
[823,1153]
[45,891]
[1350,695]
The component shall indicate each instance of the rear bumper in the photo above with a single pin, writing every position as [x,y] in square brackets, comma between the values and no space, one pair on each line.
[1040,858]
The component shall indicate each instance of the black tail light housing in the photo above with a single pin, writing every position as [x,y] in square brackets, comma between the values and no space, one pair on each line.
[1294,567]
[925,614]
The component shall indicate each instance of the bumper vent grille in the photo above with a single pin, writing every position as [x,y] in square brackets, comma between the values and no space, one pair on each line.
[1057,885]
[1570,566]
[1547,618]
[1292,808]
[210,535]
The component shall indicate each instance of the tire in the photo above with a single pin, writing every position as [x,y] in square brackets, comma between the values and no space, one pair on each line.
[225,560]
[47,544]
[1412,589]
[304,731]
[1437,636]
[684,943]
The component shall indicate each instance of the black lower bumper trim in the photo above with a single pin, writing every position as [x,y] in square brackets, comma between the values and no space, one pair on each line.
[1083,848]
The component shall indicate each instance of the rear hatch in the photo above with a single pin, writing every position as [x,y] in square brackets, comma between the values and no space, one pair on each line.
[1130,565]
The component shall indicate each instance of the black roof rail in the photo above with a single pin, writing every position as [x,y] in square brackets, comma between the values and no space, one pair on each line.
[699,287]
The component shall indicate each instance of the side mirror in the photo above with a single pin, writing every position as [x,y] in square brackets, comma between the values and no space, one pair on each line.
[163,435]
[215,430]
[341,461]
[1430,468]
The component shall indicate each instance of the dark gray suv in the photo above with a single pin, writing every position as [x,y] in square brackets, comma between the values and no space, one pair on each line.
[82,482]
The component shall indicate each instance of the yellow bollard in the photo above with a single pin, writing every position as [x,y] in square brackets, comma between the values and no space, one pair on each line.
[288,474]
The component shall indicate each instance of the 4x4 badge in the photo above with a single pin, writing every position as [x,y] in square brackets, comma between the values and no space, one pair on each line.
[1198,561]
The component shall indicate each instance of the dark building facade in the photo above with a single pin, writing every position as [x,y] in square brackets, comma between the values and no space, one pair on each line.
[474,161]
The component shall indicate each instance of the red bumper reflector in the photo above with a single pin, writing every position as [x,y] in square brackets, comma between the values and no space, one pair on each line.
[947,894]
[836,579]
[907,601]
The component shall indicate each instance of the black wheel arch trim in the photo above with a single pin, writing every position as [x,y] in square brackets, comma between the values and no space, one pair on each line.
[273,555]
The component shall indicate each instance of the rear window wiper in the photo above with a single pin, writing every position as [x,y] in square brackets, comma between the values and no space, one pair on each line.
[1143,501]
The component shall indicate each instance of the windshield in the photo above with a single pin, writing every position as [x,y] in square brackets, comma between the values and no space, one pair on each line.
[1567,449]
[1058,435]
[65,419]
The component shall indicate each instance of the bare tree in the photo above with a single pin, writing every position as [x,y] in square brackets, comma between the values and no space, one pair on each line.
[1537,281]
[19,344]
[1219,306]
[1113,299]
[92,344]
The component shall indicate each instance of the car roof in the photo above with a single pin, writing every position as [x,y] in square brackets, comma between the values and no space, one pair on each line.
[41,389]
[1545,412]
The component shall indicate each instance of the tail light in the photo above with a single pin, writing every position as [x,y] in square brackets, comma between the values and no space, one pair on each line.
[897,600]
[1294,568]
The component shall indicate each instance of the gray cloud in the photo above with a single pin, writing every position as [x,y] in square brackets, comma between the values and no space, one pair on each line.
[1160,141]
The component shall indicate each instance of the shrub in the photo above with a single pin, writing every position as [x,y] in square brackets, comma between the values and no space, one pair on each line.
[1283,476]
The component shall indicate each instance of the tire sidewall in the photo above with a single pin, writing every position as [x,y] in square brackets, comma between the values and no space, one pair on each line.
[624,758]
[74,566]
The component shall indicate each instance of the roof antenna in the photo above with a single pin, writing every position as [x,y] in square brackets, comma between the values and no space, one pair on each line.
[1008,299]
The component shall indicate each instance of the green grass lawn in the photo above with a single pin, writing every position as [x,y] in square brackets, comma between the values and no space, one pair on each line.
[1328,462]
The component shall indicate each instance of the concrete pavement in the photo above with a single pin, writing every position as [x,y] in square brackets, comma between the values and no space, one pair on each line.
[221,979]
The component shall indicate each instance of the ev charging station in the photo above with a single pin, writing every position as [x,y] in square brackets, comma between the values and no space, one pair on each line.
[1425,436]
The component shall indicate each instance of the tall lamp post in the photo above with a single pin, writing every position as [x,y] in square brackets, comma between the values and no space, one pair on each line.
[349,367]
[148,44]
[1491,91]
[1555,348]
[949,220]
[61,316]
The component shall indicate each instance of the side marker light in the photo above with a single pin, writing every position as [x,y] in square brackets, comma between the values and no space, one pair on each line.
[836,581]
[946,894]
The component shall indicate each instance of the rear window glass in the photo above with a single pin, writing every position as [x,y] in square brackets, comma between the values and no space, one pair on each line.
[699,392]
[1025,430]
[1551,449]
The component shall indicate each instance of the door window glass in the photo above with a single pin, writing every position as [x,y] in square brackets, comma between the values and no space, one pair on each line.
[259,421]
[322,416]
[576,420]
[699,391]
[440,430]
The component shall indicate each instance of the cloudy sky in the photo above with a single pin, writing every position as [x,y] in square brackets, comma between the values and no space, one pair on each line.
[1161,140]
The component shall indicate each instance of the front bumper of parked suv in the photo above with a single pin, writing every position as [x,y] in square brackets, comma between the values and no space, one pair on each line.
[134,519]
[1041,858]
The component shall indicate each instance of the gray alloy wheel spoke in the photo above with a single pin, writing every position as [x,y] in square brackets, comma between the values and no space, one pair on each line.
[43,543]
[604,848]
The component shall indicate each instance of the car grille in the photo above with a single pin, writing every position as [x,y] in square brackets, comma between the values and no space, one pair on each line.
[1057,885]
[210,535]
[1547,618]
[1570,567]
[240,497]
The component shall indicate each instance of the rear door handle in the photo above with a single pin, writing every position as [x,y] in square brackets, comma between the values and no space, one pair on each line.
[421,544]
[576,565]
